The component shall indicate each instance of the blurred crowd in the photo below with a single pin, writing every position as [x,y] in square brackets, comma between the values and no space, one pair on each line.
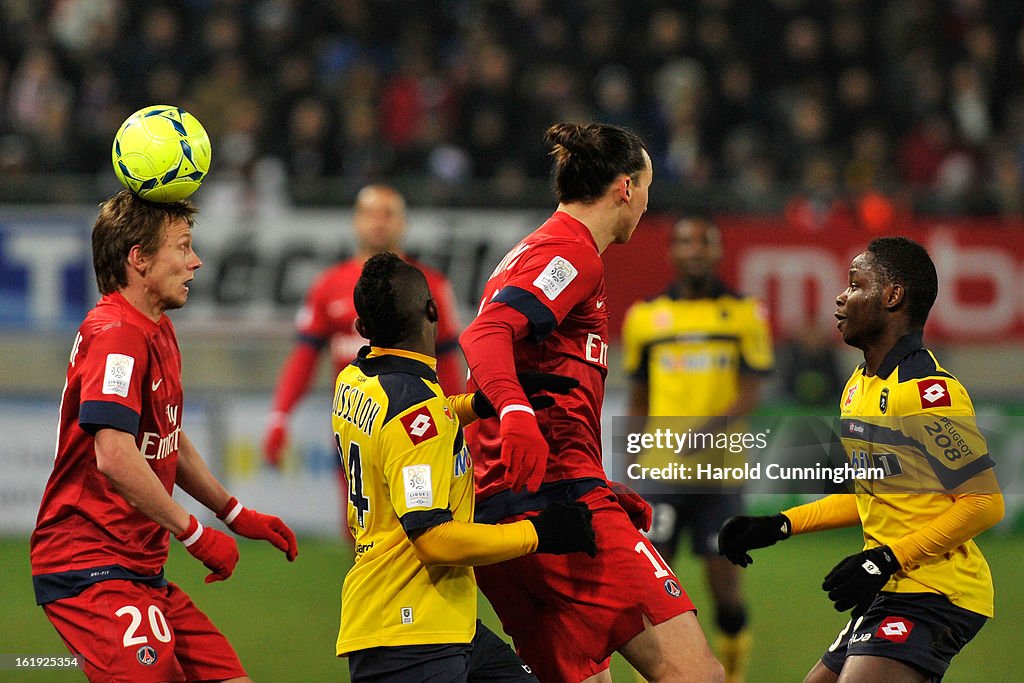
[818,101]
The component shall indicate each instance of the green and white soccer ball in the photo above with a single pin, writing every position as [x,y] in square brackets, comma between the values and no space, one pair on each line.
[161,153]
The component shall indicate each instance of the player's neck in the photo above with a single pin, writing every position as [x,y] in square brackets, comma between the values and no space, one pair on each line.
[142,300]
[594,218]
[876,350]
[694,288]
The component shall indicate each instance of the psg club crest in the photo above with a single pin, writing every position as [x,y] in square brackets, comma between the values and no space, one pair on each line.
[146,655]
[672,588]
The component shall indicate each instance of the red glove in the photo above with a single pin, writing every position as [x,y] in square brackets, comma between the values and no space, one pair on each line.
[252,524]
[213,548]
[524,452]
[275,438]
[638,509]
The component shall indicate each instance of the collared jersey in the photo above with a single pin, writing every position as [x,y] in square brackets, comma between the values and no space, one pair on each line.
[408,470]
[124,373]
[691,354]
[328,317]
[554,277]
[915,421]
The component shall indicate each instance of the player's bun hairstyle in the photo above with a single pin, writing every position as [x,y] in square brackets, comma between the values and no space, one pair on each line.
[906,262]
[590,156]
[125,220]
[390,299]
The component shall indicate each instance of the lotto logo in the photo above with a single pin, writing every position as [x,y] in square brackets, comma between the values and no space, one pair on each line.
[419,425]
[895,629]
[934,393]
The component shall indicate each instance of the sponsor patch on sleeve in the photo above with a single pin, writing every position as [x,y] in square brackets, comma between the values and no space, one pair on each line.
[419,492]
[117,378]
[934,393]
[419,425]
[555,277]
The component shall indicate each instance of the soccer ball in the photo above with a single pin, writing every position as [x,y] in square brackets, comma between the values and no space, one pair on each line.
[161,153]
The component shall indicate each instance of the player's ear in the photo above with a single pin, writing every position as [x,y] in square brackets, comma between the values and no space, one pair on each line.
[137,260]
[894,295]
[361,328]
[625,188]
[432,313]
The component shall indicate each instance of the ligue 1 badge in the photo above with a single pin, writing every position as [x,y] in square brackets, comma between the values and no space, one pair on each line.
[883,400]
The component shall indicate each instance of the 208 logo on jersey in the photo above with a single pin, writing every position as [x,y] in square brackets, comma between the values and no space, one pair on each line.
[419,426]
[896,629]
[934,393]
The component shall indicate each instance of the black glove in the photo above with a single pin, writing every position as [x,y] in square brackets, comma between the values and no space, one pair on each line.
[564,528]
[740,534]
[856,580]
[532,382]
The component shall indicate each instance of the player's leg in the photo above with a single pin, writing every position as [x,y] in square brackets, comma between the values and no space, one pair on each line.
[820,673]
[732,641]
[865,669]
[532,595]
[119,632]
[674,650]
[202,650]
[901,637]
[492,660]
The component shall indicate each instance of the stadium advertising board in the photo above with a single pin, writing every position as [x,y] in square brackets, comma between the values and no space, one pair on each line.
[798,274]
[258,272]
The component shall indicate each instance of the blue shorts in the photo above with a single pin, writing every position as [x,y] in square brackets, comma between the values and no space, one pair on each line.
[486,658]
[924,630]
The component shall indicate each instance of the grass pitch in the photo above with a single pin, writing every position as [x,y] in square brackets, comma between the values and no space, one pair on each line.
[283,618]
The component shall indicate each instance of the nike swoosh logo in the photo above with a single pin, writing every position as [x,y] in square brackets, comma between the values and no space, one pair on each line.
[600,304]
[157,383]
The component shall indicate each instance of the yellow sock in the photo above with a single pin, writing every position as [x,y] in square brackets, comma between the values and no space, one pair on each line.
[734,653]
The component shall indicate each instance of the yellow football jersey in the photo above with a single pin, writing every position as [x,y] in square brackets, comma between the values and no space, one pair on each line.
[408,469]
[691,353]
[916,423]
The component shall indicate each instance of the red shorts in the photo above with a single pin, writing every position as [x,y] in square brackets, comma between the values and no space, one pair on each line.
[567,614]
[126,631]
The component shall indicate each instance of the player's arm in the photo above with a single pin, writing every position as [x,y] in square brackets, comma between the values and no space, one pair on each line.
[741,534]
[195,478]
[971,513]
[297,372]
[121,462]
[292,384]
[473,406]
[559,529]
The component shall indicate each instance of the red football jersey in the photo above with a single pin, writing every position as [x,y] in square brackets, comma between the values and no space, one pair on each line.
[554,277]
[124,372]
[328,317]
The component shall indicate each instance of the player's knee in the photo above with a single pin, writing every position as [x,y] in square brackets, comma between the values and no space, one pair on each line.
[730,618]
[701,667]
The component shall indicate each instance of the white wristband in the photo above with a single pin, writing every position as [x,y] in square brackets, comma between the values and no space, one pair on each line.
[195,535]
[235,511]
[513,407]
